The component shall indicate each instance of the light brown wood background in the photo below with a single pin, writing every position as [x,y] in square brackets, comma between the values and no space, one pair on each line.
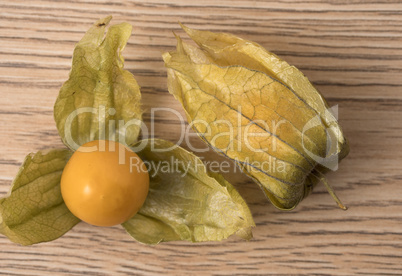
[351,50]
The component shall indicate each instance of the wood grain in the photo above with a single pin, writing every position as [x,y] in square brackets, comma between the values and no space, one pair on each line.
[351,50]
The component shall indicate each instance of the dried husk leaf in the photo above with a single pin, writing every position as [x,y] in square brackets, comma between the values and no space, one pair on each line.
[185,202]
[237,81]
[100,100]
[225,49]
[34,210]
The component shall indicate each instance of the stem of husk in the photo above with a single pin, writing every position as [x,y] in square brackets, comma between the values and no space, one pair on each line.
[330,190]
[332,193]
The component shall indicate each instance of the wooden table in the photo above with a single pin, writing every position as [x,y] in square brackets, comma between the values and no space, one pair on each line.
[351,50]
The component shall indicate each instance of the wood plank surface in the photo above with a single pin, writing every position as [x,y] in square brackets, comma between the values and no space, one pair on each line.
[352,52]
